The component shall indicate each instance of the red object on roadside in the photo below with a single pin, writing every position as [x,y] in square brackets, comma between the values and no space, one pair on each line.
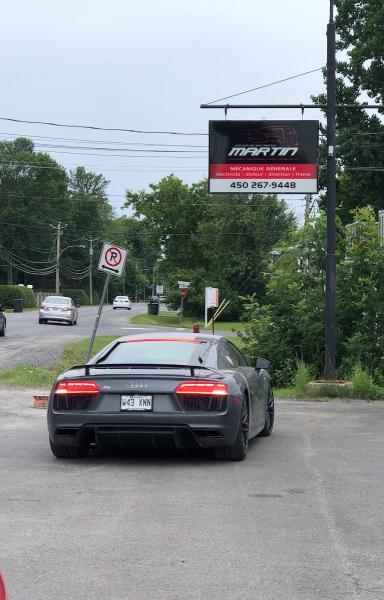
[3,595]
[183,293]
[196,329]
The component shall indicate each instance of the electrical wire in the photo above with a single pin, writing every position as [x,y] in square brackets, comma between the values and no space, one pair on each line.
[65,139]
[98,128]
[106,148]
[260,87]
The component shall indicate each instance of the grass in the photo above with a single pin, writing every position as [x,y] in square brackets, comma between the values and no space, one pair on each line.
[10,310]
[172,319]
[34,376]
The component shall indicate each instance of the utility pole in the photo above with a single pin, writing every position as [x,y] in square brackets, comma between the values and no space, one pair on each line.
[307,212]
[90,270]
[58,235]
[330,283]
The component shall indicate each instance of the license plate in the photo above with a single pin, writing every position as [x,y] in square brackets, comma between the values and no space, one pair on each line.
[136,402]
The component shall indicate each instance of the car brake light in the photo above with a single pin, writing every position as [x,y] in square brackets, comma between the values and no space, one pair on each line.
[67,308]
[202,388]
[76,387]
[43,306]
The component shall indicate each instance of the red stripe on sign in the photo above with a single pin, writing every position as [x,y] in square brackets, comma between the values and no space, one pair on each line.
[263,171]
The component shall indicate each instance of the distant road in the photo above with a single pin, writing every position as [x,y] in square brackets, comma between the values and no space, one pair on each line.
[28,342]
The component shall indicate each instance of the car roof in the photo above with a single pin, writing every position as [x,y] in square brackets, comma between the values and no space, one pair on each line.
[172,335]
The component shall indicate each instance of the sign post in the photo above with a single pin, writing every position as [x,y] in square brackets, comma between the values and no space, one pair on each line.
[183,286]
[211,301]
[112,262]
[183,295]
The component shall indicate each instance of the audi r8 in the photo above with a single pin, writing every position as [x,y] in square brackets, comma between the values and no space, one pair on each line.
[194,390]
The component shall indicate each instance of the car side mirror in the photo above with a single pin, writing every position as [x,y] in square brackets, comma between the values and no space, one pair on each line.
[262,363]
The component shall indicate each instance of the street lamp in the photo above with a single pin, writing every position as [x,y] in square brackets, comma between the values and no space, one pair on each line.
[59,253]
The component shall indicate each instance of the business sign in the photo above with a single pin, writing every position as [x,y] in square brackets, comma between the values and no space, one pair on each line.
[211,301]
[112,259]
[183,284]
[263,157]
[211,297]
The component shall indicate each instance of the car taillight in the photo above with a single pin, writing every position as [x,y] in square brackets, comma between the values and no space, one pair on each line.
[43,306]
[67,308]
[76,387]
[202,388]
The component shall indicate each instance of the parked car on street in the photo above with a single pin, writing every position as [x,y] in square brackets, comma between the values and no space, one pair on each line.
[121,302]
[58,308]
[193,390]
[3,322]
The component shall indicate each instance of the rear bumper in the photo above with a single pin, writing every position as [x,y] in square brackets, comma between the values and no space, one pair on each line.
[183,430]
[55,316]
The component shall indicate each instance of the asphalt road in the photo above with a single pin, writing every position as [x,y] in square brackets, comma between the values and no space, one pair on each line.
[28,342]
[300,519]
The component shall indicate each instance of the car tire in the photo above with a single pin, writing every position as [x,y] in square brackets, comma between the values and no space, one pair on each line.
[70,323]
[60,451]
[269,415]
[239,449]
[114,307]
[2,330]
[41,321]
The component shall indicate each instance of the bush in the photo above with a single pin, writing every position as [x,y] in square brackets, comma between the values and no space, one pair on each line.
[9,292]
[74,294]
[362,382]
[301,378]
[363,386]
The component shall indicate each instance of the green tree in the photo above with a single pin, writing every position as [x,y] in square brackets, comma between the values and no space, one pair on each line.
[289,326]
[210,240]
[360,134]
[33,195]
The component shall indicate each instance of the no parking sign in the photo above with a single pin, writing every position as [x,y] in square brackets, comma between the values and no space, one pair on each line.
[112,259]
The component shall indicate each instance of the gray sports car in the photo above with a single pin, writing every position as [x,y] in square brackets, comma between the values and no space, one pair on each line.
[191,389]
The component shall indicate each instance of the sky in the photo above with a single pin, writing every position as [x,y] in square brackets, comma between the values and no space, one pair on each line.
[148,65]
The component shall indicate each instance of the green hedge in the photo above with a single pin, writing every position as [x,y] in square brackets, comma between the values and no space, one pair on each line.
[74,294]
[9,292]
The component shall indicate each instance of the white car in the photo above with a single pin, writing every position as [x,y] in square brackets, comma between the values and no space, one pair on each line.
[121,302]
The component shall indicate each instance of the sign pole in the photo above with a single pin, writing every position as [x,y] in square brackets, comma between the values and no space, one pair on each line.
[213,325]
[181,308]
[98,317]
[330,282]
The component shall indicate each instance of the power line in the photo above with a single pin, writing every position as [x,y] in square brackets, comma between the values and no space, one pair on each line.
[65,139]
[106,148]
[260,87]
[98,128]
[125,168]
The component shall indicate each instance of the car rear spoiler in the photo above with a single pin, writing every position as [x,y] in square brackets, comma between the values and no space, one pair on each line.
[192,368]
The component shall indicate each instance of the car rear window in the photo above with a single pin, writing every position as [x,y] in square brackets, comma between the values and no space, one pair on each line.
[157,352]
[122,298]
[56,300]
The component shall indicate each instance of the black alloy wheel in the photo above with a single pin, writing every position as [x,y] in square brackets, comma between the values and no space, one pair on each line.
[239,449]
[269,415]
